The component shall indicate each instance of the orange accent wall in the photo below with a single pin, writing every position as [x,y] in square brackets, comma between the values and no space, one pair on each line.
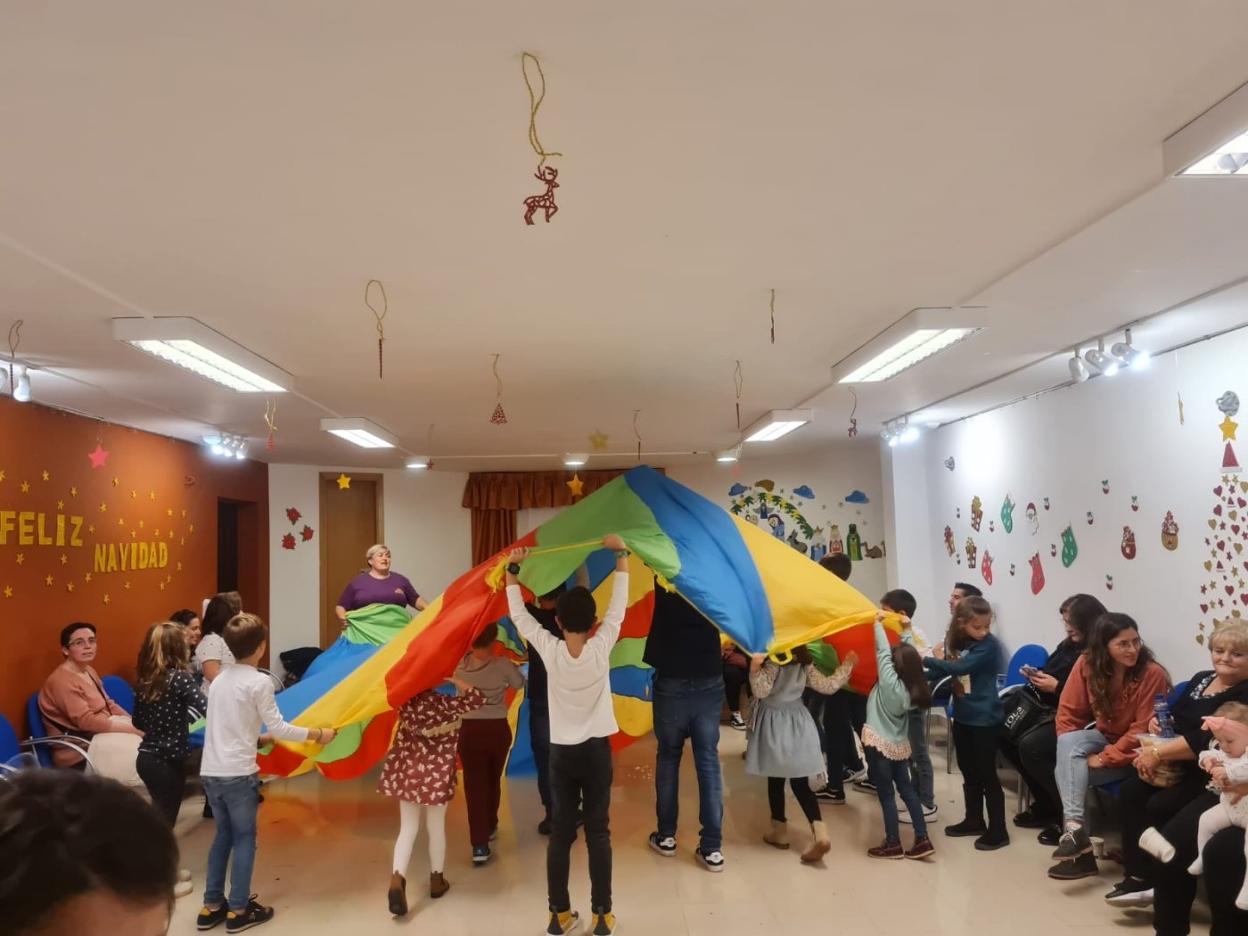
[121,545]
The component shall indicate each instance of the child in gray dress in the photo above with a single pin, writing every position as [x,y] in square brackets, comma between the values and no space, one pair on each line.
[783,741]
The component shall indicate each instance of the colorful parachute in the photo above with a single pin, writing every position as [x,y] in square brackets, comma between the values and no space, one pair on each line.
[761,593]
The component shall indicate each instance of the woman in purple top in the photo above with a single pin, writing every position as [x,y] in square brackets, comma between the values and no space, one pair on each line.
[377,586]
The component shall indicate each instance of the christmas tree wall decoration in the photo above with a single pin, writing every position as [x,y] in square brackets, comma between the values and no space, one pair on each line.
[1225,594]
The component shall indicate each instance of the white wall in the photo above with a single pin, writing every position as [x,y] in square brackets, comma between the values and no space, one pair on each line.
[1125,431]
[427,530]
[831,478]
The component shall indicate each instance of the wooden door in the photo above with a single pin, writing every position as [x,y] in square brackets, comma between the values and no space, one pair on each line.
[351,521]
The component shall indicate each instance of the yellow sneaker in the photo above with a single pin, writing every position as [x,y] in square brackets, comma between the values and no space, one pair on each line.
[562,923]
[604,924]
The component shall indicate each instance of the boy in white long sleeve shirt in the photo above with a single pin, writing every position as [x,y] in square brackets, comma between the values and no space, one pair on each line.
[582,721]
[240,703]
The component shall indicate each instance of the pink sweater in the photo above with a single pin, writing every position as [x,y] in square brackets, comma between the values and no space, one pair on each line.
[1132,710]
[77,702]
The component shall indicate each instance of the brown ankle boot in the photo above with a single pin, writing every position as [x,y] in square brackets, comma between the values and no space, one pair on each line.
[438,885]
[398,894]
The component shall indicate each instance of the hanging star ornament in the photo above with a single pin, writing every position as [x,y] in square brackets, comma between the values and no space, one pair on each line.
[1228,427]
[598,441]
[344,482]
[576,486]
[99,457]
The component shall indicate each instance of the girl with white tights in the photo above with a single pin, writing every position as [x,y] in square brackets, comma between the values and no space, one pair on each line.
[420,773]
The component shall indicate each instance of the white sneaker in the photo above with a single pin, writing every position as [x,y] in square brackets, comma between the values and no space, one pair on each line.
[903,813]
[184,874]
[182,888]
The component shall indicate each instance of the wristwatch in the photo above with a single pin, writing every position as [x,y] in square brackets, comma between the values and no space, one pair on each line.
[513,568]
[622,554]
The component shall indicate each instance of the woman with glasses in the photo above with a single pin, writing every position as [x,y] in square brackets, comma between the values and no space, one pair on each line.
[73,701]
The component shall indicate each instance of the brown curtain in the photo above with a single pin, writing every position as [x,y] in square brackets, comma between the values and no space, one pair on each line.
[492,531]
[495,496]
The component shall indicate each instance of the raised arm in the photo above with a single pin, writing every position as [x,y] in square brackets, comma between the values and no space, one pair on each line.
[762,676]
[836,681]
[534,634]
[609,629]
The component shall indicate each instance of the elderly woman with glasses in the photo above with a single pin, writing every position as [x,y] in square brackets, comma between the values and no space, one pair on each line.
[73,701]
[377,585]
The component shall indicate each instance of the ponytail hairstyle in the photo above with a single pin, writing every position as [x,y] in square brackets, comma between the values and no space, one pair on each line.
[164,650]
[909,666]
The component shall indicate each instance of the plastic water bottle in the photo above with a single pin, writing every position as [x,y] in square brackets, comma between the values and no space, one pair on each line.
[1161,711]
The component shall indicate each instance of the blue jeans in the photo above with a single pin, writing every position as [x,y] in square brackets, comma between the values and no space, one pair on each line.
[1072,771]
[885,774]
[920,759]
[234,801]
[689,708]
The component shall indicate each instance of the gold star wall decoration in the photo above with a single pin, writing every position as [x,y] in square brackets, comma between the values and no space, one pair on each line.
[116,481]
[103,508]
[73,491]
[344,482]
[47,580]
[21,558]
[107,599]
[25,487]
[46,476]
[64,559]
[69,586]
[60,505]
[8,591]
[86,577]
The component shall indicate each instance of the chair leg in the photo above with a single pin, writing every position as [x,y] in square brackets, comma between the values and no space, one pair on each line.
[948,745]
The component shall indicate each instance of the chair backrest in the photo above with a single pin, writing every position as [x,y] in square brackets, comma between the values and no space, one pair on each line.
[119,691]
[1026,655]
[37,730]
[1177,692]
[9,748]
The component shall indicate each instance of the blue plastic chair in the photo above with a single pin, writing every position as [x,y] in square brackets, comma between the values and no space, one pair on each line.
[120,692]
[35,718]
[1026,655]
[11,757]
[40,743]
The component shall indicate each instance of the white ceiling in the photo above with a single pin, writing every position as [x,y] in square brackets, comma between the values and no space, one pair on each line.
[253,166]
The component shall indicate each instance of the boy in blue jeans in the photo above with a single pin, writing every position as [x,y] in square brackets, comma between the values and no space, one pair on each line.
[240,701]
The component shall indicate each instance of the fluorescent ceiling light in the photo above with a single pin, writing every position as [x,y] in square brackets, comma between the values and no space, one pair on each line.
[573,460]
[419,463]
[195,347]
[359,431]
[917,346]
[1227,159]
[777,423]
[728,456]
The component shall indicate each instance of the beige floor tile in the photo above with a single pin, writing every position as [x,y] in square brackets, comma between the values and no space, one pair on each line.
[324,862]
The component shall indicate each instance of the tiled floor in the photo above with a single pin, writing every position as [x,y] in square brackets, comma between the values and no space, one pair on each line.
[325,852]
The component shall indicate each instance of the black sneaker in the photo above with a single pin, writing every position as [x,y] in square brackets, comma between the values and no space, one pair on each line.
[1075,869]
[604,924]
[1072,844]
[736,721]
[864,786]
[480,854]
[543,827]
[562,922]
[1131,892]
[712,860]
[254,915]
[1050,835]
[850,775]
[829,795]
[209,918]
[664,845]
[1030,819]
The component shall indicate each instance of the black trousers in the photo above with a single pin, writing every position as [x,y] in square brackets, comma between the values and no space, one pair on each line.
[736,678]
[1144,805]
[840,718]
[801,789]
[1035,758]
[165,781]
[1174,889]
[580,776]
[977,759]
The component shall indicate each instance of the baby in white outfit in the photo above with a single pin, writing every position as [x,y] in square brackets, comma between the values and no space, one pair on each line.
[1227,766]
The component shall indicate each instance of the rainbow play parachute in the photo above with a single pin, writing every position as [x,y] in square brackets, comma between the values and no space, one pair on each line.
[762,594]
